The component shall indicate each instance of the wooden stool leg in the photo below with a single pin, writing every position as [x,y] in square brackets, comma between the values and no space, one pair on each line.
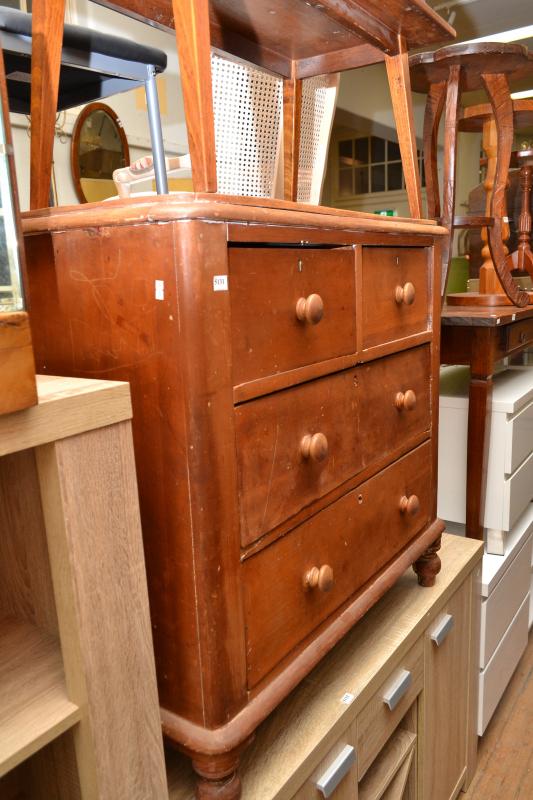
[489,282]
[47,41]
[502,108]
[191,19]
[432,116]
[523,256]
[292,113]
[402,105]
[450,164]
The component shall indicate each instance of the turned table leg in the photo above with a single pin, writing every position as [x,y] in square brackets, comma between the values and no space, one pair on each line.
[478,405]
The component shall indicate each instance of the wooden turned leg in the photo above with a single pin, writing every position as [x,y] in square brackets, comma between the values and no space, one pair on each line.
[218,778]
[428,565]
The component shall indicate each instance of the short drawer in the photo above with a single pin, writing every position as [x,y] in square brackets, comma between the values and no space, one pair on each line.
[518,438]
[289,308]
[395,293]
[297,445]
[506,502]
[382,714]
[336,775]
[520,334]
[498,610]
[493,680]
[291,586]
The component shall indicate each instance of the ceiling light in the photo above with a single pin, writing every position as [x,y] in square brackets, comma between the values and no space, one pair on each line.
[522,95]
[506,36]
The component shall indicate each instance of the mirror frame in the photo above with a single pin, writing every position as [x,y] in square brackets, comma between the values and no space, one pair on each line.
[76,135]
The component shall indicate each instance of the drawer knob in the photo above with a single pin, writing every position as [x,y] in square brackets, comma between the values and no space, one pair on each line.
[310,309]
[405,294]
[319,578]
[314,446]
[405,401]
[410,505]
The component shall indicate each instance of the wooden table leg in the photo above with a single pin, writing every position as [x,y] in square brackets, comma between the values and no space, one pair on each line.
[47,40]
[91,514]
[450,165]
[402,105]
[191,20]
[292,114]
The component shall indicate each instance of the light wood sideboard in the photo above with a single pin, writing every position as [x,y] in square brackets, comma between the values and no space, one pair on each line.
[78,700]
[424,748]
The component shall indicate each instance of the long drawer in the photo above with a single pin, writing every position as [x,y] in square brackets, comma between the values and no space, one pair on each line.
[289,307]
[499,608]
[395,293]
[494,679]
[297,445]
[505,503]
[299,580]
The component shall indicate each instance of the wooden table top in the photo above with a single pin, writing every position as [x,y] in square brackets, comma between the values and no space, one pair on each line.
[513,60]
[66,407]
[296,30]
[474,117]
[477,316]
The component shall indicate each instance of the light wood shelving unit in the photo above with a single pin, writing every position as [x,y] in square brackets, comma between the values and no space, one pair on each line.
[79,715]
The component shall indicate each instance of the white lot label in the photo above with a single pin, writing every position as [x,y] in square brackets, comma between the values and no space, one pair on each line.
[347,698]
[220,283]
[160,290]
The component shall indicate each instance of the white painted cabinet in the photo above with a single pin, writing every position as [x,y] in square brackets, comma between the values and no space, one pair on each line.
[509,483]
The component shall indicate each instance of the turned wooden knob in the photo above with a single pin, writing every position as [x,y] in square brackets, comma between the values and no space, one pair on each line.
[319,578]
[310,309]
[314,446]
[405,294]
[405,401]
[410,505]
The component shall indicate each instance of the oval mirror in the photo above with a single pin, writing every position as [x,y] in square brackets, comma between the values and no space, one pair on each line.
[99,146]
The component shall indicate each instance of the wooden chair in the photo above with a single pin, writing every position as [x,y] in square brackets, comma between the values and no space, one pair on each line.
[294,40]
[444,75]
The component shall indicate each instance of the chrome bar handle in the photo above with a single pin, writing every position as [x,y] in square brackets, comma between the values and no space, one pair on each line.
[442,629]
[337,770]
[397,689]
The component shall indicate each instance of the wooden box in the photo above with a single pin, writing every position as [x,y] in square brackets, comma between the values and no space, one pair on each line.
[283,365]
[17,369]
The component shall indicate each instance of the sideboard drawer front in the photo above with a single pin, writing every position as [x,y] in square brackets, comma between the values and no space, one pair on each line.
[358,416]
[348,538]
[379,718]
[266,285]
[395,294]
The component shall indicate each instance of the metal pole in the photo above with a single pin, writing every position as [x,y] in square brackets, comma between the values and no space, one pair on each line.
[156,132]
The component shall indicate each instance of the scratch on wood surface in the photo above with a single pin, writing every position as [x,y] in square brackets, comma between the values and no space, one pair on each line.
[270,477]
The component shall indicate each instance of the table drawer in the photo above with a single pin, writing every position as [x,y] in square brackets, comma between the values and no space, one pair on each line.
[382,714]
[269,288]
[336,551]
[395,293]
[520,334]
[297,445]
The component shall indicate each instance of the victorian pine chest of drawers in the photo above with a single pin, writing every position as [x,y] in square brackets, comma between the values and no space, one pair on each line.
[283,364]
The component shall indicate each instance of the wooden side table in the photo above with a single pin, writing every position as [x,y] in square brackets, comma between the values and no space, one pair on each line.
[479,337]
[78,700]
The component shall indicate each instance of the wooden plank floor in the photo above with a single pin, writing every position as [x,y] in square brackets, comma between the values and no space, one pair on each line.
[505,758]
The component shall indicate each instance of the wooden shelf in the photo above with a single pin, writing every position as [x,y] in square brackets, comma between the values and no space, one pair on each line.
[34,707]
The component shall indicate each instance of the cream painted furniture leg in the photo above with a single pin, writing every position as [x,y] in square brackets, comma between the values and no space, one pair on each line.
[90,506]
